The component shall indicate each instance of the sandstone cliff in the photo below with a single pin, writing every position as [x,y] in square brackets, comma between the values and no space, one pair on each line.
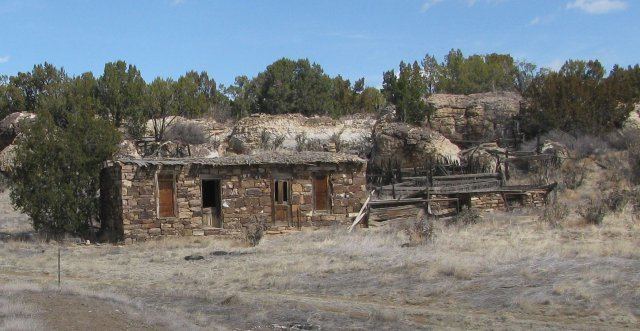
[473,117]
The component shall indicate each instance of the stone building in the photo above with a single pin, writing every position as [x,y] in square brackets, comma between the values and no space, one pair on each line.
[144,198]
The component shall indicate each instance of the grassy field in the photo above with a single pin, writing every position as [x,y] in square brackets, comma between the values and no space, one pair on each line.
[510,271]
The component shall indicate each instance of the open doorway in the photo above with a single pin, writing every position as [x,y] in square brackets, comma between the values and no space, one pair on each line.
[211,203]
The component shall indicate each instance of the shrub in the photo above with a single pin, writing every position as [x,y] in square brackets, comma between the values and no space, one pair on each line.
[617,199]
[589,145]
[301,142]
[420,232]
[573,174]
[254,231]
[336,139]
[187,133]
[594,212]
[278,140]
[56,177]
[466,216]
[554,213]
[238,146]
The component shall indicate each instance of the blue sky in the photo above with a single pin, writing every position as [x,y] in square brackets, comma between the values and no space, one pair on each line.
[355,38]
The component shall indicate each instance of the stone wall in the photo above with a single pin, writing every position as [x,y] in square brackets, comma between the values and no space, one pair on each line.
[246,197]
[489,201]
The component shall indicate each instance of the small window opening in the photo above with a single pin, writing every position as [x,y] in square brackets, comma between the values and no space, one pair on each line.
[281,192]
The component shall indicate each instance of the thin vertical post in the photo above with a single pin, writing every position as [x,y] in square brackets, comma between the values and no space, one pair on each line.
[58,266]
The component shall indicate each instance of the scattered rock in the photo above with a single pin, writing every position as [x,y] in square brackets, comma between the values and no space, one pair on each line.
[219,253]
[231,300]
[194,257]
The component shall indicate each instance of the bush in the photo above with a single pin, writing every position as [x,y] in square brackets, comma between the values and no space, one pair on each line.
[617,199]
[187,133]
[301,142]
[421,231]
[254,231]
[573,174]
[336,139]
[554,214]
[269,141]
[594,212]
[466,216]
[57,170]
[238,146]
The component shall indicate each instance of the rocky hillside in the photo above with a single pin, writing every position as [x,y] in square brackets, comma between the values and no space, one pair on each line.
[456,118]
[349,134]
[473,117]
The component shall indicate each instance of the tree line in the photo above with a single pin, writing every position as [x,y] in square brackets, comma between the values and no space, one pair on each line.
[81,118]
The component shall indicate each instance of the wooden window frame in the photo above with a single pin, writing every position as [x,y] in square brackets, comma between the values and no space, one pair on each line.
[173,175]
[286,199]
[328,192]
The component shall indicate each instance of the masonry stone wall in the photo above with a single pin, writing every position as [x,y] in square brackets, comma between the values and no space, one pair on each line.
[246,193]
[488,201]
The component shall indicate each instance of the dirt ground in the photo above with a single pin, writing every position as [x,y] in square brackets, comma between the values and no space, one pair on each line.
[64,311]
[509,271]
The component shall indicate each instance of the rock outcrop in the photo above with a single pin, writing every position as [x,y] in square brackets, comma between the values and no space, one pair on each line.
[12,125]
[411,146]
[478,117]
[350,134]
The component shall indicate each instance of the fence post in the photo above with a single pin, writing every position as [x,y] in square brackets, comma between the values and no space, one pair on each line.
[58,266]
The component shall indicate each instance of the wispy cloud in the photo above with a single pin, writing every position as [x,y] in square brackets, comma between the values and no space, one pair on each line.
[177,2]
[555,65]
[598,6]
[428,4]
[5,59]
[535,21]
[348,35]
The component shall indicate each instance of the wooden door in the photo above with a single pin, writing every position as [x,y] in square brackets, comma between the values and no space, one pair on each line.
[321,192]
[166,202]
[281,205]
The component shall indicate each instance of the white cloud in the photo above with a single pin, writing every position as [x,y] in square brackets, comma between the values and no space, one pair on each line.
[555,65]
[598,6]
[5,59]
[535,21]
[177,2]
[428,4]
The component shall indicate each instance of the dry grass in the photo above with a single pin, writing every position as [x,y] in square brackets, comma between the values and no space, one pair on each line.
[507,271]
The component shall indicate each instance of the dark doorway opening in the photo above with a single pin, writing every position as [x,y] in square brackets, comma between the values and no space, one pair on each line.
[211,203]
[464,201]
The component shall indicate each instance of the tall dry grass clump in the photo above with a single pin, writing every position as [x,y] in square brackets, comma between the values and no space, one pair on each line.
[594,212]
[466,216]
[554,213]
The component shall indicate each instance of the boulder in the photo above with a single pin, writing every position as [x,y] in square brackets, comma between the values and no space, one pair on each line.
[7,156]
[410,145]
[633,121]
[482,158]
[476,117]
[127,149]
